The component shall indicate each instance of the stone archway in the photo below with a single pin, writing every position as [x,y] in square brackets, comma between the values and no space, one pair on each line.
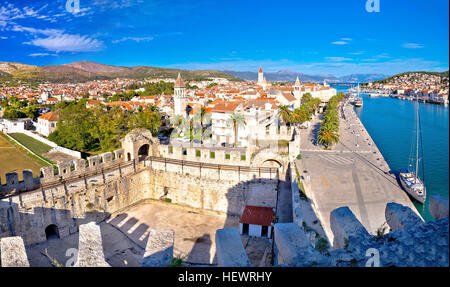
[140,143]
[272,163]
[143,151]
[51,232]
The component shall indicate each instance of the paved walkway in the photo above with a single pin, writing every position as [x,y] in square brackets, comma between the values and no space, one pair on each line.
[284,203]
[353,174]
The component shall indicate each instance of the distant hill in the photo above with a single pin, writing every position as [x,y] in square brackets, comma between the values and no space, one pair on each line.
[85,71]
[290,76]
[439,74]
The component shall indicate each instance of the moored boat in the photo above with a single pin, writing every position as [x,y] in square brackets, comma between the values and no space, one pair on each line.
[409,177]
[412,184]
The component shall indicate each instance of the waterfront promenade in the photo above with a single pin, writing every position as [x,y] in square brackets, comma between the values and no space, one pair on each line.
[353,174]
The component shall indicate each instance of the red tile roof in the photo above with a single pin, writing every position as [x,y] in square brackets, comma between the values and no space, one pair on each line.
[225,107]
[257,215]
[52,116]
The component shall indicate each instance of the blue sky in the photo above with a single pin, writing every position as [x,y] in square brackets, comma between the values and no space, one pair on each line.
[315,37]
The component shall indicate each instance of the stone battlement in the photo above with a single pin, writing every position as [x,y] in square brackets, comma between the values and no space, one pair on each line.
[63,170]
[158,252]
[410,242]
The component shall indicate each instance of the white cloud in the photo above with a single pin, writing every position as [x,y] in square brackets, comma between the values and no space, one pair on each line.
[41,54]
[357,53]
[339,43]
[34,31]
[136,39]
[342,41]
[338,59]
[3,37]
[67,43]
[412,46]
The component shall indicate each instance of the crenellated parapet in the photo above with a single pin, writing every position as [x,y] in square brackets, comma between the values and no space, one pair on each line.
[63,170]
[410,242]
[206,154]
[13,183]
[158,252]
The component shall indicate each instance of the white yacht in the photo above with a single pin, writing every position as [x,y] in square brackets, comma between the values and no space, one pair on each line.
[409,178]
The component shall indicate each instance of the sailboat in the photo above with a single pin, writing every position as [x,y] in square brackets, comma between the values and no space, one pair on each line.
[358,99]
[409,177]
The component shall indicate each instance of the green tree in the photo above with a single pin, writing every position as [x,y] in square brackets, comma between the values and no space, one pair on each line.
[237,120]
[201,115]
[285,113]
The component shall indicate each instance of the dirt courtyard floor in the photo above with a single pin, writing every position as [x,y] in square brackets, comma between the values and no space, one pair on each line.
[125,236]
[58,157]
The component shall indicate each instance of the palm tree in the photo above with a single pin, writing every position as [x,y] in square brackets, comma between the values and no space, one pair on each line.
[285,113]
[328,135]
[177,121]
[202,114]
[237,120]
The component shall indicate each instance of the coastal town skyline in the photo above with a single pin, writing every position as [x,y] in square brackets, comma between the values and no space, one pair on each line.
[205,134]
[177,35]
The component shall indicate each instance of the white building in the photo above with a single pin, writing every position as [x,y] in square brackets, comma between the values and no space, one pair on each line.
[222,129]
[323,92]
[47,123]
[15,126]
[257,221]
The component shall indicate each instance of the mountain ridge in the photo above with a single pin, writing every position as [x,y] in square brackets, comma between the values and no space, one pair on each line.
[287,75]
[86,70]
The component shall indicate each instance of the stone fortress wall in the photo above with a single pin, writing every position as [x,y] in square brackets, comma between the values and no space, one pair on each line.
[110,182]
[90,190]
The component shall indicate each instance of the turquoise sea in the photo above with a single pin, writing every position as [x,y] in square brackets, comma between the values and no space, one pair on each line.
[391,124]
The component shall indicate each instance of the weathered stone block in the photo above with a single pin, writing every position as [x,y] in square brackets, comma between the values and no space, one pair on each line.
[119,155]
[229,249]
[438,206]
[106,157]
[159,250]
[13,252]
[344,225]
[293,246]
[401,217]
[90,248]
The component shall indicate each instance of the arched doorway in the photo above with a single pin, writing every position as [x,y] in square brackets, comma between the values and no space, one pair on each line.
[128,156]
[272,163]
[51,232]
[143,152]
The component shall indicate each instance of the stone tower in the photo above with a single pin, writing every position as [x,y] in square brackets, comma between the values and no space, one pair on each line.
[179,99]
[297,87]
[260,76]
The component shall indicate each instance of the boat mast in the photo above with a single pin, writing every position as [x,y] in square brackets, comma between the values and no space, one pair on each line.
[417,139]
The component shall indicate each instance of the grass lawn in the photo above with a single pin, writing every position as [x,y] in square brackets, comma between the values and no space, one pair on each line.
[15,159]
[31,143]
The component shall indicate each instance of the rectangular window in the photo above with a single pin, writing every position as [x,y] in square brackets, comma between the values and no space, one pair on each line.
[242,157]
[198,153]
[170,149]
[227,156]
[212,155]
[184,151]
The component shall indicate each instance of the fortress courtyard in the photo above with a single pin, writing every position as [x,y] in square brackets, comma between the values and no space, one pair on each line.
[125,236]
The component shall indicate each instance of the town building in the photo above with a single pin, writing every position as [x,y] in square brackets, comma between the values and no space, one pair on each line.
[47,123]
